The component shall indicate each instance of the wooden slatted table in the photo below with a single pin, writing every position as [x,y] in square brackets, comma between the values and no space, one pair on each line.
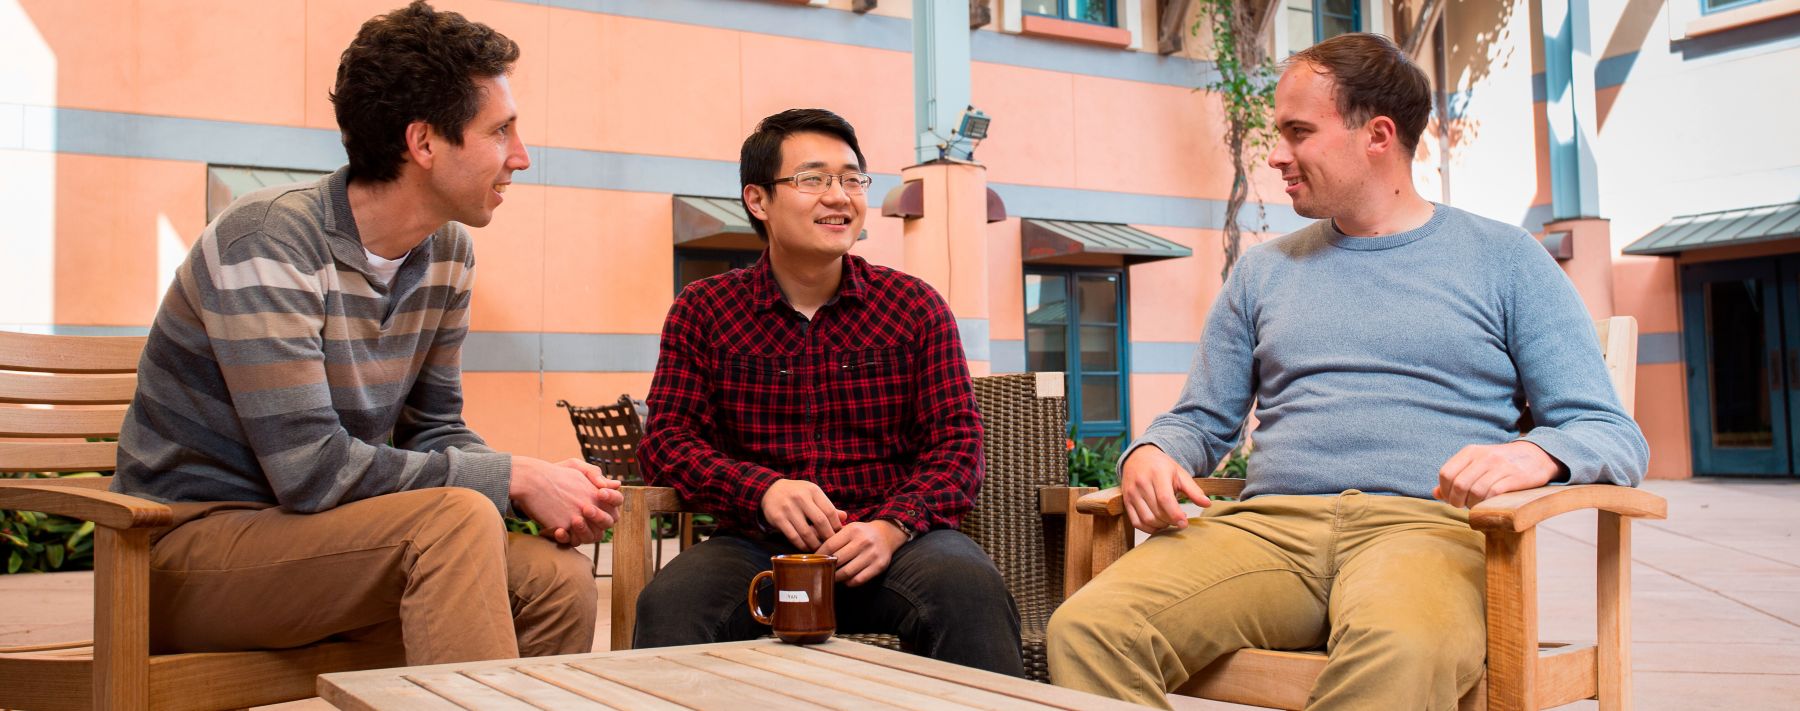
[765,675]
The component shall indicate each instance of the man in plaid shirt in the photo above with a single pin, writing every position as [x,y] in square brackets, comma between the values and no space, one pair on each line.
[817,403]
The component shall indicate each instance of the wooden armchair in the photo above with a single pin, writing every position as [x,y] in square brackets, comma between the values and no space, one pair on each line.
[1018,519]
[61,390]
[1522,673]
[609,436]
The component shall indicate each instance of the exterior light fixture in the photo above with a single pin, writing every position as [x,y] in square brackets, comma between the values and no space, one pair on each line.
[969,131]
[974,124]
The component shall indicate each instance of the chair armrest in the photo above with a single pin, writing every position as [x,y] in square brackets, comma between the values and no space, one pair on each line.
[1519,511]
[1060,500]
[1109,502]
[104,508]
[657,499]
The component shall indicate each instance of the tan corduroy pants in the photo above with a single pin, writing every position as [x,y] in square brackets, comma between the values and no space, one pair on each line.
[432,569]
[1392,587]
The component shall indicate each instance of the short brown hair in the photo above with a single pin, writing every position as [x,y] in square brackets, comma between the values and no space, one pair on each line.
[1373,78]
[761,154]
[412,64]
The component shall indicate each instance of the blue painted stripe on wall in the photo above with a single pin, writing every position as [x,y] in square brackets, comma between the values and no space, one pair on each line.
[599,353]
[168,138]
[1134,208]
[1608,73]
[229,143]
[1008,356]
[974,333]
[512,352]
[1153,357]
[894,34]
[508,352]
[599,170]
[502,352]
[1659,348]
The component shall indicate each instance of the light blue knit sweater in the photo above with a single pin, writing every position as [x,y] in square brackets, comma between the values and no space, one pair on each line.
[1371,360]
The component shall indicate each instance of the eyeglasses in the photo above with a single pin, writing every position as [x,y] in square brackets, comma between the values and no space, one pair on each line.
[814,182]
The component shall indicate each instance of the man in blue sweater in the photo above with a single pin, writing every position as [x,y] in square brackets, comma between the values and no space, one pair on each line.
[1387,350]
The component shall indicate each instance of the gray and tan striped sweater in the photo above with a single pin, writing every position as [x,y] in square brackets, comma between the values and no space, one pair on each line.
[278,367]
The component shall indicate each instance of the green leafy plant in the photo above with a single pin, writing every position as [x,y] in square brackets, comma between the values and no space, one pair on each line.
[35,542]
[1237,462]
[1094,465]
[533,528]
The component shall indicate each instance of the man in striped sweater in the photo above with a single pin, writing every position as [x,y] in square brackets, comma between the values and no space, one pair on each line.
[299,401]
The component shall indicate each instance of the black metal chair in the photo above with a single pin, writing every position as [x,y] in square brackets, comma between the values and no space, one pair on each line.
[609,437]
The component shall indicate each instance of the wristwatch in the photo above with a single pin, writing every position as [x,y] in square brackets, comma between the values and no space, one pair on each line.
[910,534]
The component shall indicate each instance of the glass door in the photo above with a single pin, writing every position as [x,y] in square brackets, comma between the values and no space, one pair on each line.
[1738,325]
[1075,322]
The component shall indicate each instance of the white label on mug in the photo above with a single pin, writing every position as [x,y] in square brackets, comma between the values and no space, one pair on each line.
[791,595]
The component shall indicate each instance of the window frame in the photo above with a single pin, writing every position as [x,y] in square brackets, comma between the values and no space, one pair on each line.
[1360,21]
[738,258]
[1356,20]
[1707,8]
[1074,373]
[1062,13]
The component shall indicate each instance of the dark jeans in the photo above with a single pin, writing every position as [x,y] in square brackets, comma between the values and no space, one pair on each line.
[941,594]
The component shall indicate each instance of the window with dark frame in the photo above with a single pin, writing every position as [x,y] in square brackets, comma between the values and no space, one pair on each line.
[692,265]
[1099,12]
[1075,322]
[1708,7]
[1310,22]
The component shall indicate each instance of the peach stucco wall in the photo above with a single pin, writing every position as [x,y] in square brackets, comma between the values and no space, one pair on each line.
[567,260]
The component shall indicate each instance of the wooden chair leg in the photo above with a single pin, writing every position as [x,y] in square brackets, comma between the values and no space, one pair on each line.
[121,619]
[1512,624]
[631,564]
[1112,537]
[688,534]
[1078,544]
[656,539]
[1614,634]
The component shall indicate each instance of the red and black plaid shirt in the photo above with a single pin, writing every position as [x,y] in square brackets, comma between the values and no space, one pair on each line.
[871,400]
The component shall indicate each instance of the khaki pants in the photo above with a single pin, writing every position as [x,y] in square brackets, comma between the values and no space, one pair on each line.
[1390,586]
[431,569]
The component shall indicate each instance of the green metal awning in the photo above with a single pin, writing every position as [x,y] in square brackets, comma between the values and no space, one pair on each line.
[227,183]
[717,223]
[1092,244]
[713,223]
[1719,229]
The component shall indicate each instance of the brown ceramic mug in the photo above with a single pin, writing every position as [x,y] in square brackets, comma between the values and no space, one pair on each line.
[804,612]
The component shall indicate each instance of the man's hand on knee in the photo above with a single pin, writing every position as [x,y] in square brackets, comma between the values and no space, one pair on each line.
[571,502]
[864,549]
[1481,471]
[1149,479]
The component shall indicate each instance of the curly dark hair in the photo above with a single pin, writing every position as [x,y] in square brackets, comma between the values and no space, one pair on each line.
[1373,77]
[761,155]
[412,64]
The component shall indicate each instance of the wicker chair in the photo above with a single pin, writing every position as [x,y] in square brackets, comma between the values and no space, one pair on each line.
[609,437]
[1018,519]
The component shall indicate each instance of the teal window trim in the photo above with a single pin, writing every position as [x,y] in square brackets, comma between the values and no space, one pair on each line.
[1072,350]
[1355,18]
[1063,13]
[1708,7]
